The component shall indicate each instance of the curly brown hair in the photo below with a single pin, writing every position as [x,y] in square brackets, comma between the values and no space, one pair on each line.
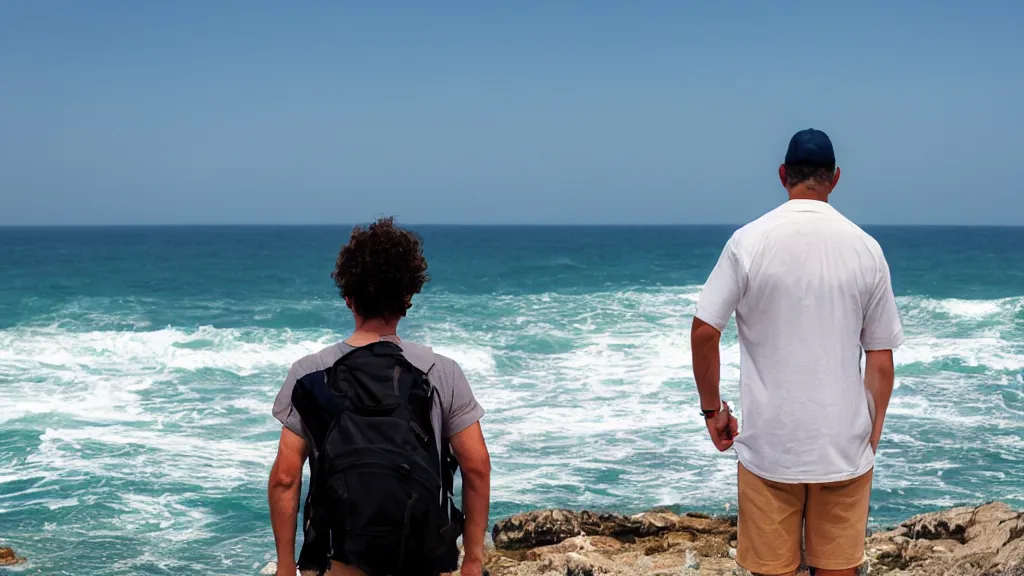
[380,269]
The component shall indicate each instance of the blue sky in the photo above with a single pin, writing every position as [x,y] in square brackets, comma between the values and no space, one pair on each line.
[515,112]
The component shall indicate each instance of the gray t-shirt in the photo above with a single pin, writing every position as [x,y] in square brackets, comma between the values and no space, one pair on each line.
[456,409]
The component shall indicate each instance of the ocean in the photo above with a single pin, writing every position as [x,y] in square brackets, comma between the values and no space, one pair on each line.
[138,367]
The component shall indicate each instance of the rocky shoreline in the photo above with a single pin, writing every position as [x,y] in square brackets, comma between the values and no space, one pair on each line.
[970,541]
[986,540]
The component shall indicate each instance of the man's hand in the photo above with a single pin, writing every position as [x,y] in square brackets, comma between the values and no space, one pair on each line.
[723,428]
[472,567]
[286,568]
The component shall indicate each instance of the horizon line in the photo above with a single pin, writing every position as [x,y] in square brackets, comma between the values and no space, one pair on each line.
[465,225]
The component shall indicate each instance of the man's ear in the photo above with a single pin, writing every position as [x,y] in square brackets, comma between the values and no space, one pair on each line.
[782,175]
[348,302]
[835,179]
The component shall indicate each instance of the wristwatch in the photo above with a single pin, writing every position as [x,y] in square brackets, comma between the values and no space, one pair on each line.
[709,414]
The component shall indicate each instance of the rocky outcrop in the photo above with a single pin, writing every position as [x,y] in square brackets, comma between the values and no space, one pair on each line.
[536,529]
[552,526]
[987,540]
[8,557]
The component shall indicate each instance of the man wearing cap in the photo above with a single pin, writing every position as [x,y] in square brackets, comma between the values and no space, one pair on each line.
[811,291]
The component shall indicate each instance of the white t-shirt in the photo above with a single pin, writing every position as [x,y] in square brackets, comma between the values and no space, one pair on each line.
[809,289]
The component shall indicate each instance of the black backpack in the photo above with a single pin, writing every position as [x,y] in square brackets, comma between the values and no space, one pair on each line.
[380,494]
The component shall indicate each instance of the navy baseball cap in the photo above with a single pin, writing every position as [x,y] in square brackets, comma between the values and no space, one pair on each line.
[811,147]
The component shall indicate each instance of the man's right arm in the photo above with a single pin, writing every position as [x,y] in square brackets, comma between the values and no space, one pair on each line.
[283,493]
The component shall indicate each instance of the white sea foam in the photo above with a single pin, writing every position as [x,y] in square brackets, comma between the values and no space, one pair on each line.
[960,308]
[988,352]
[590,400]
[97,376]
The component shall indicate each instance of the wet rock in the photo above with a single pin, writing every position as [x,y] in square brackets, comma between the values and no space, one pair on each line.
[535,529]
[8,557]
[603,524]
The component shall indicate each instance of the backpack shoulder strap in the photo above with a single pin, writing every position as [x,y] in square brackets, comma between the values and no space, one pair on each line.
[420,356]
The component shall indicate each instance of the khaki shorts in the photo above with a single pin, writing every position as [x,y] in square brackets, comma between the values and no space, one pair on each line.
[773,516]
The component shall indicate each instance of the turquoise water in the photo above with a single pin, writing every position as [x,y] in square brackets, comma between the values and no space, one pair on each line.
[138,368]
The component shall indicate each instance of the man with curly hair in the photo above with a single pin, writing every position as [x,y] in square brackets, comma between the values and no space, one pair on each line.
[380,419]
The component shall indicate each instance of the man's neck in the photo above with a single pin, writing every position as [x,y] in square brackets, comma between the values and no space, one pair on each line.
[370,331]
[805,192]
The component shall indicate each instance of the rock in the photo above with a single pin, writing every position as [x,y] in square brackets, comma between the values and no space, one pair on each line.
[652,523]
[657,547]
[692,562]
[947,524]
[982,541]
[8,557]
[575,544]
[901,531]
[270,569]
[601,524]
[605,543]
[712,547]
[648,524]
[535,529]
[995,512]
[985,539]
[917,550]
[576,565]
[948,546]
[1011,556]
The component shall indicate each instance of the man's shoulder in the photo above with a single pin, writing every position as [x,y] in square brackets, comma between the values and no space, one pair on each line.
[858,235]
[320,360]
[750,234]
[426,359]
